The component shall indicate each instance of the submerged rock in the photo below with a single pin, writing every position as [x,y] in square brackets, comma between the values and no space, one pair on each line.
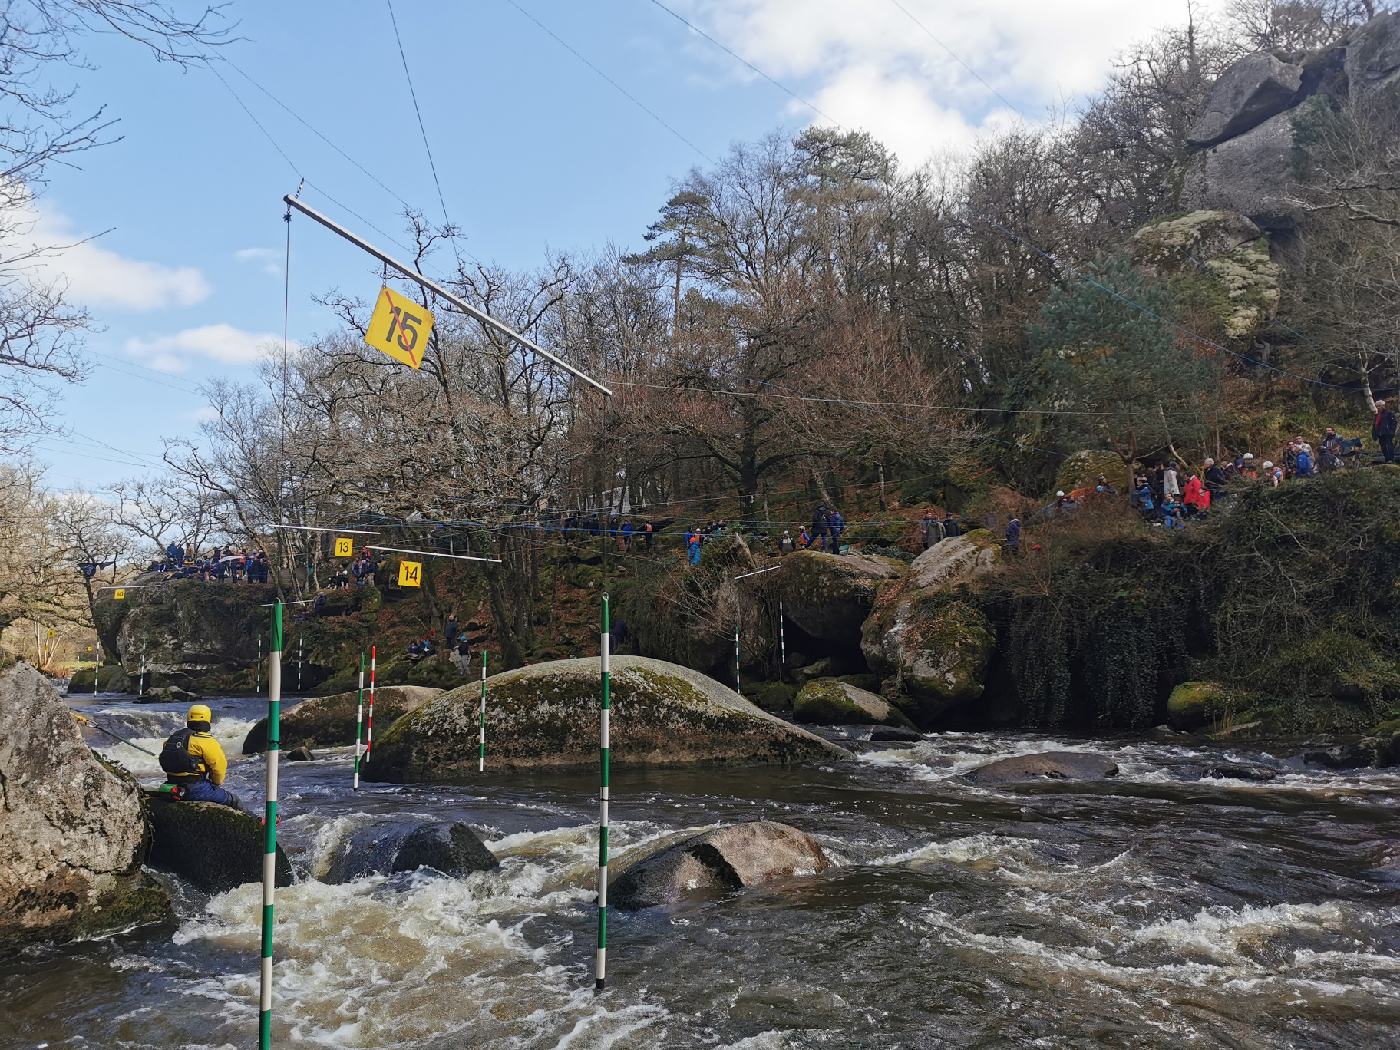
[215,847]
[167,694]
[392,846]
[1238,771]
[828,701]
[716,862]
[828,595]
[72,827]
[329,721]
[1048,765]
[301,754]
[546,716]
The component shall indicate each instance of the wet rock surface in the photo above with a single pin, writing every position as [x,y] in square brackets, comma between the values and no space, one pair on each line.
[1048,765]
[390,846]
[214,847]
[329,721]
[716,862]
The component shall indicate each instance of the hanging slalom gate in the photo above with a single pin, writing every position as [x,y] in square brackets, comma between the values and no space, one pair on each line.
[369,720]
[269,870]
[359,719]
[600,962]
[481,755]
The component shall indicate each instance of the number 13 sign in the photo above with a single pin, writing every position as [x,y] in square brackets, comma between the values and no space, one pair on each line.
[399,327]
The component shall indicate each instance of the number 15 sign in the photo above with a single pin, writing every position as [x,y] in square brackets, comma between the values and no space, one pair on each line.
[399,327]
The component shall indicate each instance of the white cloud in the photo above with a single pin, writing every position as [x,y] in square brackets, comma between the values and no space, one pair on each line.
[203,414]
[96,275]
[222,343]
[269,260]
[867,65]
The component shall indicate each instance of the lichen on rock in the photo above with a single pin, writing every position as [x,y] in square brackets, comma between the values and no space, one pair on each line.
[829,701]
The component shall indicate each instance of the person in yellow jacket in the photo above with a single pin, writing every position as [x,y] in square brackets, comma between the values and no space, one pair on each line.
[194,760]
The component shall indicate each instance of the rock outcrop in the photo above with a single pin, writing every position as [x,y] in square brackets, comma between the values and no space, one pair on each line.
[1193,704]
[546,716]
[329,721]
[934,646]
[1248,93]
[829,596]
[828,701]
[1048,765]
[72,828]
[714,863]
[395,845]
[214,847]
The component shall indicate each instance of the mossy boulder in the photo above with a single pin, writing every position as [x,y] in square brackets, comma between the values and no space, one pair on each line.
[829,596]
[935,646]
[1083,468]
[829,701]
[546,716]
[954,560]
[1194,704]
[1382,744]
[215,847]
[713,863]
[329,721]
[73,827]
[1226,249]
[776,697]
[111,678]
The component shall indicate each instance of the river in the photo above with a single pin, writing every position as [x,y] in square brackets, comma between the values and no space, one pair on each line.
[1153,910]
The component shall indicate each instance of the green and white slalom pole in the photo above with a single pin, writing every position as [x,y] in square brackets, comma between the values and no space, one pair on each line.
[359,720]
[600,962]
[269,870]
[481,740]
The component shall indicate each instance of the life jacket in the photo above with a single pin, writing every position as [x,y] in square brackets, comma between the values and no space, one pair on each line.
[175,757]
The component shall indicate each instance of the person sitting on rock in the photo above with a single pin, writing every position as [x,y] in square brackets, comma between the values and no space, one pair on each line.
[194,761]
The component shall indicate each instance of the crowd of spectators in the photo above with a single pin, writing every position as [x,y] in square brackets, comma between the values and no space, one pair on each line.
[221,564]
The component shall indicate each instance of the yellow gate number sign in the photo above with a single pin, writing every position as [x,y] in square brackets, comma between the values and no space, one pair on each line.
[344,547]
[119,594]
[410,574]
[399,327]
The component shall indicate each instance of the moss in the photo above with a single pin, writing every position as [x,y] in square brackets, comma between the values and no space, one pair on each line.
[215,847]
[776,697]
[824,702]
[1084,467]
[1193,704]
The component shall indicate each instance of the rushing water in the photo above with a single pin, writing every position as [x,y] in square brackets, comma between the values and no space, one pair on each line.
[1157,909]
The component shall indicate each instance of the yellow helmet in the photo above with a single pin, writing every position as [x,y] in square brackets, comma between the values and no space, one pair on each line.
[199,713]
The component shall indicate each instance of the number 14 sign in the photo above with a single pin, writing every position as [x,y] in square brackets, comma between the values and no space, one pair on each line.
[399,327]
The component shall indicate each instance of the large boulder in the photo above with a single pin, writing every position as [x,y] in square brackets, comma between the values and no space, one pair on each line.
[715,862]
[1048,765]
[72,828]
[829,596]
[1249,92]
[1083,468]
[1193,704]
[1251,174]
[329,721]
[1373,57]
[829,701]
[936,647]
[546,716]
[394,845]
[953,561]
[1222,245]
[215,847]
[111,678]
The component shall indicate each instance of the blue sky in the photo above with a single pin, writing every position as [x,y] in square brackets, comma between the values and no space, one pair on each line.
[536,152]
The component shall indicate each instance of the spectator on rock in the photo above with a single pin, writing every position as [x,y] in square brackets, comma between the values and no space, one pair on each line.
[933,530]
[1171,483]
[1013,536]
[1329,451]
[786,544]
[820,519]
[449,630]
[803,539]
[1104,488]
[1272,474]
[1303,464]
[835,525]
[1383,430]
[1172,514]
[1247,469]
[646,535]
[951,527]
[692,544]
[1215,479]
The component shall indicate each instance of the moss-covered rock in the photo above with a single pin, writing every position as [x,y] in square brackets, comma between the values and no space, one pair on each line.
[1084,467]
[829,596]
[329,721]
[215,847]
[936,648]
[1226,248]
[829,701]
[1194,704]
[1382,744]
[775,697]
[111,678]
[72,825]
[546,716]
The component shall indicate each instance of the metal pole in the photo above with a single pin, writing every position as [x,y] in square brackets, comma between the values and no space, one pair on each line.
[369,721]
[782,641]
[438,290]
[269,870]
[481,755]
[359,719]
[600,962]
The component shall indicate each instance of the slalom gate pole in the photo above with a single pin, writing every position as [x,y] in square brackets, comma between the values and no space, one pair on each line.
[736,661]
[257,671]
[269,869]
[481,754]
[782,642]
[359,719]
[299,641]
[141,684]
[369,719]
[97,666]
[600,962]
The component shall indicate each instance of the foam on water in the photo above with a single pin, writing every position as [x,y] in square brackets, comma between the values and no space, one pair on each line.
[229,732]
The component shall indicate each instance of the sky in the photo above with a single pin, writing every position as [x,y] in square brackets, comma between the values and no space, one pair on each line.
[542,144]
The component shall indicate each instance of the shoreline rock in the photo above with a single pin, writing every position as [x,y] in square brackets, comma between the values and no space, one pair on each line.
[1047,765]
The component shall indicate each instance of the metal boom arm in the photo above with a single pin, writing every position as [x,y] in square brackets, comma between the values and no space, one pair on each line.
[439,290]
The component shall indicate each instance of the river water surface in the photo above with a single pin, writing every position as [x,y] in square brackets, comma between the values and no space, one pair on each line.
[1158,909]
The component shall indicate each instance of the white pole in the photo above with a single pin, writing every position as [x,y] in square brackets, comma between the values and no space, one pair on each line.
[782,641]
[359,719]
[481,720]
[299,644]
[269,869]
[736,661]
